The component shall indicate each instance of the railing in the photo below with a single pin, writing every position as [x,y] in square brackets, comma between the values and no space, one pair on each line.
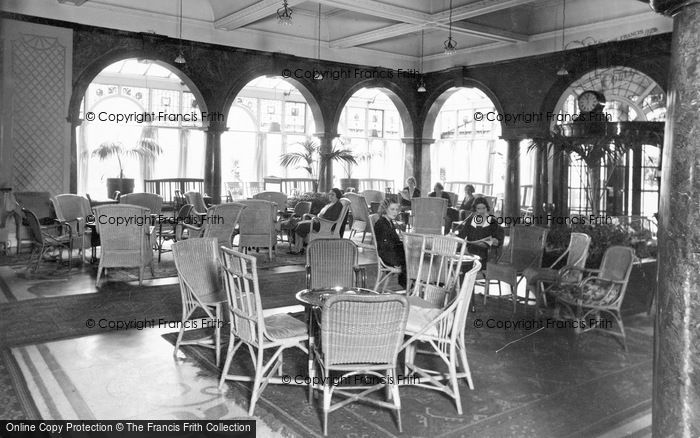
[375,184]
[237,190]
[289,186]
[479,187]
[166,188]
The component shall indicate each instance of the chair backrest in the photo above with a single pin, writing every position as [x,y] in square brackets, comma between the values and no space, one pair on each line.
[454,197]
[332,229]
[491,201]
[330,263]
[358,205]
[221,221]
[578,249]
[428,215]
[373,196]
[34,226]
[302,208]
[526,247]
[70,207]
[617,264]
[243,295]
[197,201]
[151,201]
[38,203]
[199,272]
[412,244]
[257,223]
[363,329]
[278,198]
[122,227]
[439,266]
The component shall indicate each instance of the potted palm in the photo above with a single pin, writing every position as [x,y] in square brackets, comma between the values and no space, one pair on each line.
[145,148]
[311,159]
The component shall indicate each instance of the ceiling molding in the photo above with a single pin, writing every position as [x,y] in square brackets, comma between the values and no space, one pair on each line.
[255,12]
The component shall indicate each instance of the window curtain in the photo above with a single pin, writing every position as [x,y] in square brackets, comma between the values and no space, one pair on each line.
[182,162]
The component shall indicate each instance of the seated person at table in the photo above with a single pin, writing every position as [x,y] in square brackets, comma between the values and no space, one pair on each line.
[465,208]
[389,244]
[451,214]
[480,231]
[408,192]
[330,212]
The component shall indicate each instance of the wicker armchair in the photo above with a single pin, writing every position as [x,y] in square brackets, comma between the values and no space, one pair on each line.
[439,267]
[384,271]
[220,222]
[360,214]
[331,228]
[278,198]
[442,332]
[196,199]
[199,273]
[601,292]
[72,211]
[251,328]
[525,250]
[127,244]
[333,263]
[361,334]
[150,201]
[256,228]
[428,215]
[46,238]
[537,280]
[172,230]
[37,202]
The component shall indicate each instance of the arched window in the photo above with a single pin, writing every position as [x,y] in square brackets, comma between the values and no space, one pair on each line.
[632,183]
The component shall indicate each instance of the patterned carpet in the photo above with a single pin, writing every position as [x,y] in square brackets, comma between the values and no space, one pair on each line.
[548,384]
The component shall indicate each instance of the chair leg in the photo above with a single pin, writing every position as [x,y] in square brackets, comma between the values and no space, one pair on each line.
[179,339]
[99,274]
[217,334]
[326,405]
[230,352]
[453,380]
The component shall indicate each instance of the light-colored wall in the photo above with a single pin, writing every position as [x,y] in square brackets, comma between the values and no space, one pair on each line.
[35,90]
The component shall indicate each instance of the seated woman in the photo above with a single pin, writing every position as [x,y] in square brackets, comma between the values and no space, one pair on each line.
[330,211]
[451,214]
[389,244]
[465,208]
[481,231]
[409,192]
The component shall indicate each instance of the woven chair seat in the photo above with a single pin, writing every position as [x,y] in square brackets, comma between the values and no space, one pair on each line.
[599,292]
[283,326]
[419,317]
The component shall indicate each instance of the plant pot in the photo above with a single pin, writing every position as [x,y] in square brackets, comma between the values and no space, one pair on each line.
[124,185]
[346,183]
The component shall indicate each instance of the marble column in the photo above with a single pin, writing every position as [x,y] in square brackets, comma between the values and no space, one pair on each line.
[212,161]
[417,163]
[511,201]
[676,396]
[325,180]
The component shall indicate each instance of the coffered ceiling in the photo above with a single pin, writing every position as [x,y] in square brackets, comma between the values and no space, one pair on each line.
[385,33]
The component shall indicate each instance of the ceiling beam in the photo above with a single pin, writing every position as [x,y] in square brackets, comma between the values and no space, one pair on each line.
[380,10]
[470,10]
[73,2]
[255,12]
[488,32]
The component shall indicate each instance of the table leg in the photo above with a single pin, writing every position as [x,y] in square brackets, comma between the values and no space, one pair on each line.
[312,342]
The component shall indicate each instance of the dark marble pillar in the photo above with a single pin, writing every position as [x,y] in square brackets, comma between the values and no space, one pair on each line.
[511,201]
[417,162]
[325,180]
[539,188]
[212,161]
[676,398]
[73,177]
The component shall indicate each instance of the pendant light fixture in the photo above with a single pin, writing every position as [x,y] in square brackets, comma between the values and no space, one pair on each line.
[562,70]
[318,76]
[421,82]
[180,59]
[450,44]
[284,14]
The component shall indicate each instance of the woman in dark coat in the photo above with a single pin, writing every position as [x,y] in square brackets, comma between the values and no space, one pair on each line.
[389,244]
[330,211]
[481,231]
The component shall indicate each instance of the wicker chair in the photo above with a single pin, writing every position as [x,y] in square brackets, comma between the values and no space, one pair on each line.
[172,231]
[256,228]
[333,263]
[361,335]
[72,212]
[278,198]
[37,202]
[150,201]
[537,280]
[442,331]
[428,215]
[300,209]
[384,271]
[124,245]
[525,250]
[220,222]
[250,327]
[331,228]
[599,293]
[196,199]
[46,238]
[360,214]
[199,273]
[438,270]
